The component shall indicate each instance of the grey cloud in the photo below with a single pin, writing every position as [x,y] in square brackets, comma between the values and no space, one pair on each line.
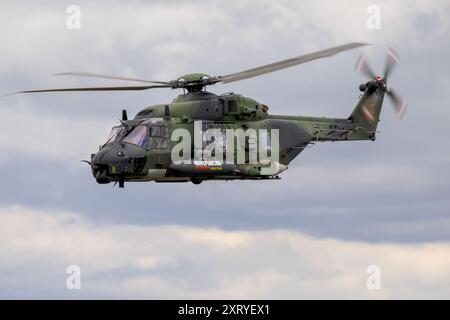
[362,208]
[184,262]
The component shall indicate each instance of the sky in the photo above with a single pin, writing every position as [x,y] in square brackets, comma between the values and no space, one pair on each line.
[339,208]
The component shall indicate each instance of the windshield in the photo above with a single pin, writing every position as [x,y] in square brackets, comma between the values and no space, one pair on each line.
[115,134]
[138,136]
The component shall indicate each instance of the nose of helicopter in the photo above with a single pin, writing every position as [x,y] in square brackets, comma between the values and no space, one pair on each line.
[117,160]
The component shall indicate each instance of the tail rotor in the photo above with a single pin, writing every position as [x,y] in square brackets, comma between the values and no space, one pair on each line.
[392,59]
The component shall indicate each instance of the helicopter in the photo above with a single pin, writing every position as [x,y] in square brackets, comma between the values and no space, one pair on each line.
[167,142]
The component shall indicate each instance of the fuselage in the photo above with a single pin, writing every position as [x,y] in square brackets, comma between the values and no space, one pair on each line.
[143,149]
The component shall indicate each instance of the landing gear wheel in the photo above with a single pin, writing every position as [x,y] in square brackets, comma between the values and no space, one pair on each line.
[196,181]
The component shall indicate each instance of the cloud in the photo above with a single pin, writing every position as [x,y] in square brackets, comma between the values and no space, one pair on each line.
[352,198]
[173,261]
[30,133]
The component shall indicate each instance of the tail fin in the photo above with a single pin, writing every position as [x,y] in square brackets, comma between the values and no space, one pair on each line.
[366,114]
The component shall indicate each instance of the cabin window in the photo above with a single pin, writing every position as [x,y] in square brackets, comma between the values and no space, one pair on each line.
[232,106]
[159,136]
[219,140]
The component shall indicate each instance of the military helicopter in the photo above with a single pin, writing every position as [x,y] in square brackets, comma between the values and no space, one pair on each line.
[142,149]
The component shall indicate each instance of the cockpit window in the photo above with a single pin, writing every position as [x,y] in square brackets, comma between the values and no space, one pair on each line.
[115,133]
[149,135]
[138,136]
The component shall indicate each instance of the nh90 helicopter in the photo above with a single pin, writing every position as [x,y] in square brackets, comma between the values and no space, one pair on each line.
[140,149]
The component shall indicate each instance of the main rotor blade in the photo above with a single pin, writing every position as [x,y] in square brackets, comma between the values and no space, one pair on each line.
[104,76]
[250,73]
[399,104]
[96,89]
